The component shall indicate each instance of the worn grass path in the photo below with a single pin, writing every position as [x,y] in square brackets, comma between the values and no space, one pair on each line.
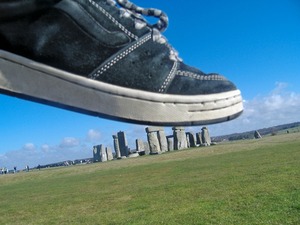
[245,182]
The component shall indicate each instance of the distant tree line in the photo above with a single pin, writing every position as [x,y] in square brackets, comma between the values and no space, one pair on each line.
[250,134]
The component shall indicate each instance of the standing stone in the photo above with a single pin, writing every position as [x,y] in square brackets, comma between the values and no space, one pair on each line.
[199,138]
[109,154]
[123,144]
[157,140]
[257,135]
[162,140]
[116,146]
[103,154]
[147,148]
[140,147]
[96,153]
[179,138]
[188,141]
[191,139]
[139,144]
[170,143]
[153,143]
[205,137]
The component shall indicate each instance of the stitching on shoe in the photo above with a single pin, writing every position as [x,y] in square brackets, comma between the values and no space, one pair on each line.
[198,76]
[169,78]
[114,20]
[120,56]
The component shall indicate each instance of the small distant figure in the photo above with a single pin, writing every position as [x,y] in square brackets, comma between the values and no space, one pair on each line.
[15,169]
[27,168]
[39,167]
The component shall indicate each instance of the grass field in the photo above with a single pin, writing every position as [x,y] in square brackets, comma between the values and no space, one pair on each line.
[244,182]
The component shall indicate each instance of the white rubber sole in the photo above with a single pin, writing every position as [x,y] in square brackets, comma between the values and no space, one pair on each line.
[34,81]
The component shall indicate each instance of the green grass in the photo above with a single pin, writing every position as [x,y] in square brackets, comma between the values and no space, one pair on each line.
[244,182]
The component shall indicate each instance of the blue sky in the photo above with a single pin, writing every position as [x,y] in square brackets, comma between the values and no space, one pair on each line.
[256,44]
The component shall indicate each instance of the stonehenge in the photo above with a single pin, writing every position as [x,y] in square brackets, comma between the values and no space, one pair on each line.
[139,145]
[117,147]
[100,154]
[170,143]
[157,140]
[142,148]
[109,153]
[191,139]
[199,138]
[123,145]
[180,140]
[205,137]
[157,143]
[153,143]
[96,153]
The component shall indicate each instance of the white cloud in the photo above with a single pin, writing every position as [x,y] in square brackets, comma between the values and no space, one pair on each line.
[45,148]
[278,107]
[93,135]
[29,147]
[280,87]
[69,142]
[3,158]
[68,150]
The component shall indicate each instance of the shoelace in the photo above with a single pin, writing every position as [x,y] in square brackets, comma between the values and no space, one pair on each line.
[163,21]
[129,9]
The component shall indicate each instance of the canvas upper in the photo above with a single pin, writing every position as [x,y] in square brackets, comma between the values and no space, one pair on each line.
[108,42]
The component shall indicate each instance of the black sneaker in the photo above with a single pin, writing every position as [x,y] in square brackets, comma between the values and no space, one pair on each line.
[102,58]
